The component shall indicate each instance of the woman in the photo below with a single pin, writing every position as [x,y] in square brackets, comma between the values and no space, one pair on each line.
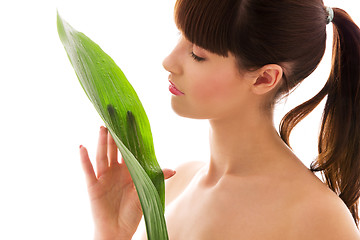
[234,60]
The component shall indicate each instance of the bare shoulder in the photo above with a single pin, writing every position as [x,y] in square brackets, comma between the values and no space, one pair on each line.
[184,173]
[175,185]
[323,215]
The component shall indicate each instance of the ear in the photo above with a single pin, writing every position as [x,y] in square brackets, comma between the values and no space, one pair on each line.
[267,78]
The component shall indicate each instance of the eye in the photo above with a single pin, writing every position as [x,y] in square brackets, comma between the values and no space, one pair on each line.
[197,58]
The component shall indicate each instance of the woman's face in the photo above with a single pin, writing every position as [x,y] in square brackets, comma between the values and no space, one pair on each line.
[212,85]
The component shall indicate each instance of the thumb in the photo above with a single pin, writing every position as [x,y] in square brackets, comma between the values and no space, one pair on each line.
[168,173]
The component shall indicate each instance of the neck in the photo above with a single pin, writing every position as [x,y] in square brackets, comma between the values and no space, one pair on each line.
[245,144]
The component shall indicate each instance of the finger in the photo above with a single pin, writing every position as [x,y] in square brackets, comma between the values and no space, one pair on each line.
[168,173]
[101,154]
[112,150]
[87,167]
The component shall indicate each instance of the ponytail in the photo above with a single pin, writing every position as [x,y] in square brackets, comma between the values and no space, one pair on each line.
[339,138]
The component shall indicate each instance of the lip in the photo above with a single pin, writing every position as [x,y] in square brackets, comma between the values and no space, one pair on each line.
[174,90]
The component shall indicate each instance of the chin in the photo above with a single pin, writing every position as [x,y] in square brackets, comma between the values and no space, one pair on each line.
[188,112]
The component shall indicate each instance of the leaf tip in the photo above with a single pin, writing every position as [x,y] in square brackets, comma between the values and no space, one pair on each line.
[60,25]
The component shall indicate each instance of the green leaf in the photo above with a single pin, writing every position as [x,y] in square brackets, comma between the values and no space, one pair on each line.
[119,106]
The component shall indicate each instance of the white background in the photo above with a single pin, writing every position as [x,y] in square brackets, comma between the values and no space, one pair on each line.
[45,115]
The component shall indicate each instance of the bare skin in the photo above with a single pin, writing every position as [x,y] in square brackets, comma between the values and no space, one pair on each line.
[256,207]
[253,187]
[115,205]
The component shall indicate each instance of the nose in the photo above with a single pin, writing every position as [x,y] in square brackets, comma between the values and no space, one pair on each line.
[172,62]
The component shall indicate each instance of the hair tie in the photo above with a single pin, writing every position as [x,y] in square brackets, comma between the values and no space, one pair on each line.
[330,16]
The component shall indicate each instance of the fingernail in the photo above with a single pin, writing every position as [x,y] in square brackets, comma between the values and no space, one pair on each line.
[173,173]
[80,146]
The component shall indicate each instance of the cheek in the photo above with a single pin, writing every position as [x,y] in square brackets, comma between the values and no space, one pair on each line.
[213,88]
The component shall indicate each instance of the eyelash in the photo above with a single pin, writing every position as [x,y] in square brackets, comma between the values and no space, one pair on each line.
[197,58]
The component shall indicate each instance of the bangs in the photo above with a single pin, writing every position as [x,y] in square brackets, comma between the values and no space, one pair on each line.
[207,23]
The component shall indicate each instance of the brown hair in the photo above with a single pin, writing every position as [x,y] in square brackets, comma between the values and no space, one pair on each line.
[292,34]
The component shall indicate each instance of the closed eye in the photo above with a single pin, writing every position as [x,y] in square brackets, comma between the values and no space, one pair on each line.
[197,58]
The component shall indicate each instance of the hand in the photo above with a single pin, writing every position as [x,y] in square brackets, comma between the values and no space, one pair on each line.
[114,201]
